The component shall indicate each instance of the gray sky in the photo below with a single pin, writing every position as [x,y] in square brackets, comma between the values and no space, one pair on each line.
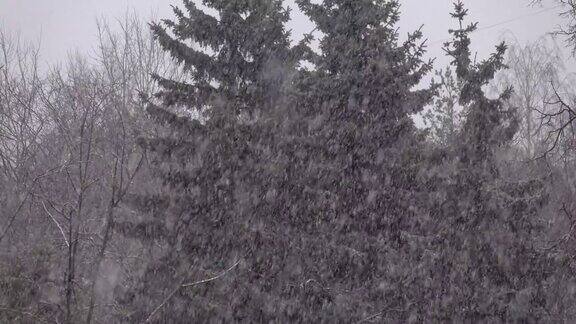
[65,25]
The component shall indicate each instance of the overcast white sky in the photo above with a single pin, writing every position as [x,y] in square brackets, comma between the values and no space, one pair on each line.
[65,25]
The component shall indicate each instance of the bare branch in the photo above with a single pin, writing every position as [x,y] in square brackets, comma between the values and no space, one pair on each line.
[57,224]
[183,285]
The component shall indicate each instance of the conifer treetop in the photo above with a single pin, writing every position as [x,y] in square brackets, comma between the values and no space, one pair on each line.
[231,57]
[361,65]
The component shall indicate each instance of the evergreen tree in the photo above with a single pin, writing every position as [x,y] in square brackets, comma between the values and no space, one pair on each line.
[361,97]
[239,64]
[487,264]
[236,61]
[311,200]
[360,154]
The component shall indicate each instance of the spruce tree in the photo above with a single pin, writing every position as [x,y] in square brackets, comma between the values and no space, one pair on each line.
[347,192]
[486,262]
[361,97]
[238,64]
[235,61]
[308,205]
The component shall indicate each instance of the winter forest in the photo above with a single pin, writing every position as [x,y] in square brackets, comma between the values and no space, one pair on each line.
[205,167]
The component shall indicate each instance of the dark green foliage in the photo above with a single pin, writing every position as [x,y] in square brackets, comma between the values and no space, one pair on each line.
[361,68]
[237,61]
[325,206]
[312,198]
[488,264]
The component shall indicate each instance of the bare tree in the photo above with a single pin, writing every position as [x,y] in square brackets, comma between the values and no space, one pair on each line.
[127,61]
[445,117]
[68,141]
[533,68]
[567,30]
[560,122]
[21,125]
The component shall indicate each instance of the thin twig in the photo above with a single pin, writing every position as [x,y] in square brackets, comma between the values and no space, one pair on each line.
[370,317]
[29,192]
[546,119]
[57,224]
[211,279]
[183,285]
